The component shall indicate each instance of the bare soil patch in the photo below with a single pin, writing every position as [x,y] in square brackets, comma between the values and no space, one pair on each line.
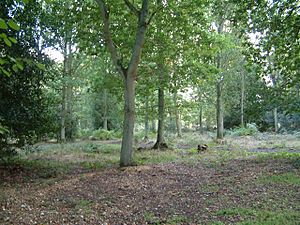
[154,194]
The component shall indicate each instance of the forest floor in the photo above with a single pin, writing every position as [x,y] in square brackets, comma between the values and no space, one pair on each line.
[247,180]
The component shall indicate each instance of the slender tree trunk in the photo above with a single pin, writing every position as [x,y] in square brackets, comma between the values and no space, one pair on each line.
[161,111]
[128,126]
[201,119]
[69,95]
[242,100]
[220,128]
[220,124]
[200,111]
[177,116]
[130,73]
[275,120]
[105,109]
[63,115]
[146,118]
[153,125]
[64,96]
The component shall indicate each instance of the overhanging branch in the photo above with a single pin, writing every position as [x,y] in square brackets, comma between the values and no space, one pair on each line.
[132,8]
[108,38]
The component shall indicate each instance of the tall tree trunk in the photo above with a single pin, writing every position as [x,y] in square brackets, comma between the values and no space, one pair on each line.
[200,111]
[161,111]
[130,73]
[220,128]
[69,96]
[220,124]
[275,120]
[153,125]
[63,115]
[242,100]
[64,96]
[177,115]
[128,125]
[105,109]
[201,119]
[146,118]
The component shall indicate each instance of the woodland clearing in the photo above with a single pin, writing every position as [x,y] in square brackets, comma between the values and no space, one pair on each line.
[248,180]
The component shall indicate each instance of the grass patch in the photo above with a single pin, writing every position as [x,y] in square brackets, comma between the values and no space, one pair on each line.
[155,157]
[261,217]
[150,218]
[84,205]
[285,178]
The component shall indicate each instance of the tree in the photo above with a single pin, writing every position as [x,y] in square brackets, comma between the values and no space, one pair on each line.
[129,73]
[23,104]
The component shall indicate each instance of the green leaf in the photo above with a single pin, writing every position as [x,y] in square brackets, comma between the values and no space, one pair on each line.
[3,24]
[26,1]
[7,42]
[15,68]
[13,25]
[20,65]
[41,66]
[6,72]
[13,40]
[2,35]
[2,61]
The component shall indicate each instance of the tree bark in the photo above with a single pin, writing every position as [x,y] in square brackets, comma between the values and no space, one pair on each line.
[161,111]
[64,96]
[146,118]
[105,109]
[129,74]
[220,124]
[220,128]
[275,120]
[69,95]
[177,116]
[200,111]
[242,100]
[128,125]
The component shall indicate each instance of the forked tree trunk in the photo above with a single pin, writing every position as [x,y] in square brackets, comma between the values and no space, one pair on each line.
[130,72]
[128,125]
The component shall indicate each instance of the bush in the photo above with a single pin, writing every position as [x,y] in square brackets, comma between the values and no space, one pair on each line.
[250,129]
[105,134]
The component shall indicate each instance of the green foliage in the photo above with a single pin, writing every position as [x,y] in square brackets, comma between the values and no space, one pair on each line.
[102,134]
[250,129]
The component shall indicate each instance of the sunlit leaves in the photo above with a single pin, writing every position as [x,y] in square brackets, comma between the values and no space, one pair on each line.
[13,25]
[3,24]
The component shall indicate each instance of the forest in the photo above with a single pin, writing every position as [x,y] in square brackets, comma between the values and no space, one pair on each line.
[149,112]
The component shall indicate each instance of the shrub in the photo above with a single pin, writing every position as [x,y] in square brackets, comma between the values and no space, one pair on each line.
[106,134]
[250,129]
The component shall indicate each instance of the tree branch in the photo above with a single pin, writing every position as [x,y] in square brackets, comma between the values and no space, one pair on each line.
[108,38]
[140,39]
[132,8]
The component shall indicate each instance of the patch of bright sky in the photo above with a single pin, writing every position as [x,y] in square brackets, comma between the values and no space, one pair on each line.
[54,54]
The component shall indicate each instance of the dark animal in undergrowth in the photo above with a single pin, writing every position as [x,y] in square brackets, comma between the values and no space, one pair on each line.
[202,148]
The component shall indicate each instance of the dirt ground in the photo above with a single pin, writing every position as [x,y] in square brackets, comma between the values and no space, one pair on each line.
[159,194]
